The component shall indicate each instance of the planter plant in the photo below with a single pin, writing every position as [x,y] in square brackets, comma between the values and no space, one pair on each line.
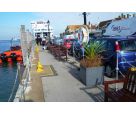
[91,67]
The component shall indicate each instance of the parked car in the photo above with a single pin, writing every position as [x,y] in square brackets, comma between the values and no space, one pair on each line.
[125,47]
[68,42]
[77,50]
[58,41]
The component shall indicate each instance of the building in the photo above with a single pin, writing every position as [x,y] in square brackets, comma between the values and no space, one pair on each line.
[42,29]
[101,28]
[71,28]
[81,32]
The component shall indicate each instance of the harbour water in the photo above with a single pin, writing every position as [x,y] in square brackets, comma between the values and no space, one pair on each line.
[7,73]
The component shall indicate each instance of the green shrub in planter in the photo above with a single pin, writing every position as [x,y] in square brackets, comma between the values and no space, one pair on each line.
[91,67]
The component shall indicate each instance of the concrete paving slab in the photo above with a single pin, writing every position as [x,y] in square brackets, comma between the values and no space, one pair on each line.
[64,87]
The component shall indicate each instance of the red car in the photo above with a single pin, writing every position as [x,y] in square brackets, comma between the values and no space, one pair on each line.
[68,42]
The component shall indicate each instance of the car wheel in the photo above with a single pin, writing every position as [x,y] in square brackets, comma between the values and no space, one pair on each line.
[79,55]
[109,72]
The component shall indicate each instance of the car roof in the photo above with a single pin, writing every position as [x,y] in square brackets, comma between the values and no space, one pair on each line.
[118,38]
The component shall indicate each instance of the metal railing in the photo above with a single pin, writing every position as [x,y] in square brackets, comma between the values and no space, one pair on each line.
[24,79]
[27,46]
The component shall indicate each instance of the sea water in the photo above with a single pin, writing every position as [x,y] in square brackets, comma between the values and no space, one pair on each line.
[7,73]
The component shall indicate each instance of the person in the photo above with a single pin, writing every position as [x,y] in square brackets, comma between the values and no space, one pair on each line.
[36,40]
[43,43]
[40,41]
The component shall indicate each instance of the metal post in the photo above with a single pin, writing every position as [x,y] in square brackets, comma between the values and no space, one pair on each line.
[48,22]
[117,68]
[117,71]
[84,15]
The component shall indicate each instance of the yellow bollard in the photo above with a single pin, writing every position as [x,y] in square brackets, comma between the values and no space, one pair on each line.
[39,70]
[36,49]
[39,67]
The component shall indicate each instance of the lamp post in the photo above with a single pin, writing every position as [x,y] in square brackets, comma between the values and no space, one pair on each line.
[48,22]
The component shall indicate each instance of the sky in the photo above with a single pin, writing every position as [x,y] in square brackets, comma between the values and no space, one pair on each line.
[10,21]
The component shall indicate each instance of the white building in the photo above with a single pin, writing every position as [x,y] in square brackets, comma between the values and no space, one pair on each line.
[42,29]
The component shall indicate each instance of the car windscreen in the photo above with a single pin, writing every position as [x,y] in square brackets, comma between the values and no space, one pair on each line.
[70,40]
[128,45]
[103,42]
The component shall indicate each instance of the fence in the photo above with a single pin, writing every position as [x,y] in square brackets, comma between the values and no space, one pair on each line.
[27,46]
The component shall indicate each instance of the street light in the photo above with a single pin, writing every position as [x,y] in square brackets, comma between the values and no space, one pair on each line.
[48,22]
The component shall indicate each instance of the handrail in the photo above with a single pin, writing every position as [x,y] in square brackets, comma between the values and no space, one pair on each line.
[11,95]
[27,73]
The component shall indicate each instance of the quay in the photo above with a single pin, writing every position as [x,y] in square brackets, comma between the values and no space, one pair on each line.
[59,80]
[65,86]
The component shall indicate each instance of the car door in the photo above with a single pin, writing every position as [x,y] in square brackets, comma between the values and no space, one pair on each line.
[109,52]
[128,53]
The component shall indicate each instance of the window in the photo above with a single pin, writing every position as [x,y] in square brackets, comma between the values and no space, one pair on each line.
[110,45]
[103,43]
[128,45]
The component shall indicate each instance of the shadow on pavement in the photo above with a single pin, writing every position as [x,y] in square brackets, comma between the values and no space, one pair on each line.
[96,93]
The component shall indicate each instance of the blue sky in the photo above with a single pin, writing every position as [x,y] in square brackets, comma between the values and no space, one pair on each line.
[10,21]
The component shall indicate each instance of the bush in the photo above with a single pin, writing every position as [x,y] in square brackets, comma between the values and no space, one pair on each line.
[92,54]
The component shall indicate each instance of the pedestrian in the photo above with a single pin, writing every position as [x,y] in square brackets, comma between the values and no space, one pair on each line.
[44,43]
[40,40]
[36,40]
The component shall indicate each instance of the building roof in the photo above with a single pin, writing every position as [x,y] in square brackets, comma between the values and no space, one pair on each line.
[73,28]
[106,22]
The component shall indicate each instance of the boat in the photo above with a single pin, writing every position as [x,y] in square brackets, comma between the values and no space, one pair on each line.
[12,55]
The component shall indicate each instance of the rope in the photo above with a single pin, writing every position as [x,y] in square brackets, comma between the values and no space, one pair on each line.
[13,87]
[127,62]
[27,76]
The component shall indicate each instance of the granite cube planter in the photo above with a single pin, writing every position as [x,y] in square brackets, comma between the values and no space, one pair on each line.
[92,76]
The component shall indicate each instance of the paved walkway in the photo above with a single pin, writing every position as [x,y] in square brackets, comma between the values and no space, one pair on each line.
[66,86]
